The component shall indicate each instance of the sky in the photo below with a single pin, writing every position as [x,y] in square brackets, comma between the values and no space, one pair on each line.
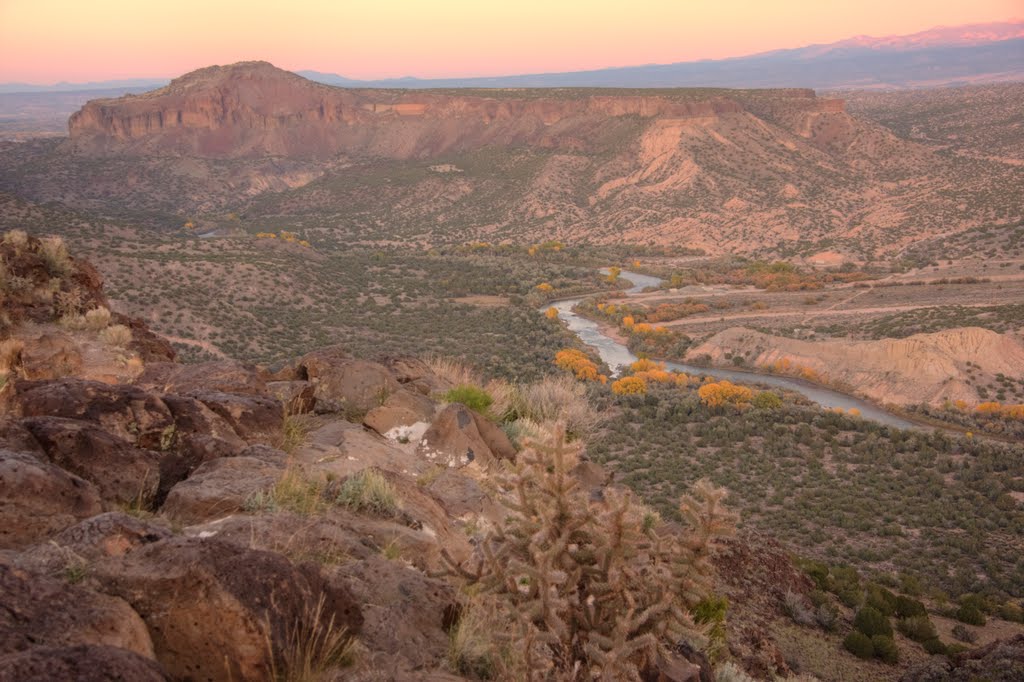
[45,41]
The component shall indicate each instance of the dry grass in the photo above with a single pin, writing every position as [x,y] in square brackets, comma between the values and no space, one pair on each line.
[368,491]
[558,399]
[453,371]
[97,319]
[55,253]
[118,335]
[504,397]
[472,650]
[296,493]
[295,431]
[16,238]
[314,648]
[10,355]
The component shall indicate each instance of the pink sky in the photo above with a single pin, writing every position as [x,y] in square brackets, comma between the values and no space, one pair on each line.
[43,41]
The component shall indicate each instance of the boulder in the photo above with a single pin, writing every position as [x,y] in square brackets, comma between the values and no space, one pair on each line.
[298,397]
[150,347]
[82,663]
[495,439]
[212,607]
[224,376]
[404,610]
[407,369]
[221,487]
[121,473]
[315,364]
[401,408]
[14,436]
[107,535]
[454,440]
[253,418]
[342,384]
[137,416]
[50,356]
[38,499]
[199,435]
[341,448]
[43,611]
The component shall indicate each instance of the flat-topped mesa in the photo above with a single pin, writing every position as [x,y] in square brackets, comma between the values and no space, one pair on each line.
[254,108]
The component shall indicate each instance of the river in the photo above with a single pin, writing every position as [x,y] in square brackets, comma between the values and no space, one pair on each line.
[618,356]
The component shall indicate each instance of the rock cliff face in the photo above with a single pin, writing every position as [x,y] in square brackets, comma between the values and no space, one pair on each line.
[254,109]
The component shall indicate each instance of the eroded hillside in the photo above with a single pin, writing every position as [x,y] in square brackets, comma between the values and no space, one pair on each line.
[720,170]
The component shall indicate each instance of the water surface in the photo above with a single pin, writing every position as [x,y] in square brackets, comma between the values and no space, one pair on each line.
[617,357]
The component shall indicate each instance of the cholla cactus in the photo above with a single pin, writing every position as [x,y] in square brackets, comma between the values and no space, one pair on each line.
[596,591]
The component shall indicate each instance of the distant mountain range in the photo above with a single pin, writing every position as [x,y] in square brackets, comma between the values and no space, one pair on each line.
[956,55]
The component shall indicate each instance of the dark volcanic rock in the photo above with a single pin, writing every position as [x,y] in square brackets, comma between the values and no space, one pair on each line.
[42,611]
[140,417]
[82,663]
[211,606]
[221,487]
[38,499]
[122,473]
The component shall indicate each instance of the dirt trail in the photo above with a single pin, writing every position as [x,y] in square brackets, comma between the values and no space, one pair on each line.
[799,313]
[205,345]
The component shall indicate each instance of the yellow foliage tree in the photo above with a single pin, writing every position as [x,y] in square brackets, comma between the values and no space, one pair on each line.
[644,365]
[719,394]
[545,287]
[577,362]
[551,313]
[629,386]
[613,273]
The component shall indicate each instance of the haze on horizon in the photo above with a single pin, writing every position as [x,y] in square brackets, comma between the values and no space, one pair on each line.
[68,40]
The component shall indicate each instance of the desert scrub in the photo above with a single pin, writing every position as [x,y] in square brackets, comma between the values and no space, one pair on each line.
[473,397]
[368,491]
[118,336]
[97,319]
[557,399]
[591,587]
[54,253]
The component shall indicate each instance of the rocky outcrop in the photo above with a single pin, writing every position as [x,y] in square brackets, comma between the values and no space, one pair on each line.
[221,487]
[254,109]
[455,439]
[122,474]
[212,607]
[343,384]
[41,611]
[38,499]
[82,663]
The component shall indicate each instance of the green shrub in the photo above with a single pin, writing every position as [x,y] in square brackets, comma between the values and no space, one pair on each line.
[880,598]
[859,644]
[885,649]
[964,633]
[917,628]
[368,491]
[871,622]
[934,646]
[711,612]
[907,607]
[766,400]
[473,397]
[1011,612]
[970,614]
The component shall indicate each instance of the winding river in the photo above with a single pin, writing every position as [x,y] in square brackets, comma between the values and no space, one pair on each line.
[617,356]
